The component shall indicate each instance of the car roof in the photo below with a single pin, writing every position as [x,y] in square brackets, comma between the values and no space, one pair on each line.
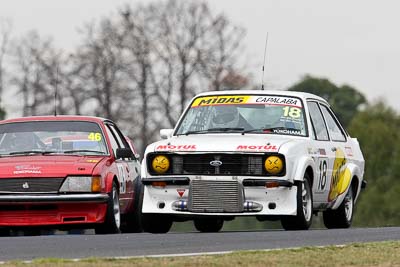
[56,118]
[301,95]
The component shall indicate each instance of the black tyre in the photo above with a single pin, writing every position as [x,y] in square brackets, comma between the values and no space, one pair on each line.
[112,223]
[208,225]
[5,232]
[132,222]
[342,217]
[303,219]
[156,224]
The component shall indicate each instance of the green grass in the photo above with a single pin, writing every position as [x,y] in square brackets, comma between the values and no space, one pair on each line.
[366,254]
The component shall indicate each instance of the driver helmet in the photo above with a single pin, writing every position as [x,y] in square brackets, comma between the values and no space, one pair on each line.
[225,116]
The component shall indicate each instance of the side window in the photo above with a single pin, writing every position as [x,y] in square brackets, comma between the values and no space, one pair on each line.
[317,121]
[118,135]
[119,138]
[334,129]
[113,141]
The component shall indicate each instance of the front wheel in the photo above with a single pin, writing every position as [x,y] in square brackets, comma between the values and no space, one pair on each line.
[342,217]
[303,219]
[133,220]
[156,224]
[112,222]
[208,225]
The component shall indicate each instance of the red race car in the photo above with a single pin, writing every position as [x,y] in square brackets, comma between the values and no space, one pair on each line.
[66,172]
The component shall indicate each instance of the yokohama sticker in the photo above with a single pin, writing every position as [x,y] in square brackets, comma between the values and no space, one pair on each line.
[176,148]
[268,148]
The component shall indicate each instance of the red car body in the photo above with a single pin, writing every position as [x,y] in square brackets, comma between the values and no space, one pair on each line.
[30,183]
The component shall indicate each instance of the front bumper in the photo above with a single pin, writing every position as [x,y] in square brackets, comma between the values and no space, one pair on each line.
[175,197]
[70,198]
[48,210]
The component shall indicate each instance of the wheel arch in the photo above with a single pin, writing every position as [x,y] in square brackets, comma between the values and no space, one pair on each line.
[111,177]
[354,183]
[304,165]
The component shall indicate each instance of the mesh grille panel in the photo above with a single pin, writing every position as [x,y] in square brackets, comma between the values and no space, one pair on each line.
[215,196]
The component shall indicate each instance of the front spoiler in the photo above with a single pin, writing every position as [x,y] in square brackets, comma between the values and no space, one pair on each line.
[67,198]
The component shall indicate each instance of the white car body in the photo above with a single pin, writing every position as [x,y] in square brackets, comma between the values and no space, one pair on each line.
[333,167]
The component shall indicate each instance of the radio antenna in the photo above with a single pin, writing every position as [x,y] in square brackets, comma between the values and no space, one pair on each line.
[263,67]
[55,92]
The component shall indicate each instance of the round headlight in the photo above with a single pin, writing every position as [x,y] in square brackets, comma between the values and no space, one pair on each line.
[160,164]
[273,165]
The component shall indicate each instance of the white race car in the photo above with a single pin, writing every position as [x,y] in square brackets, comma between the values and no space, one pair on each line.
[270,154]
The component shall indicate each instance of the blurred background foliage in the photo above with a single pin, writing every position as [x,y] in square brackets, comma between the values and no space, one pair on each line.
[141,65]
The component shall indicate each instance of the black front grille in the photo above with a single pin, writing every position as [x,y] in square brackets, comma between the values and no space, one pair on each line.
[231,164]
[215,164]
[30,185]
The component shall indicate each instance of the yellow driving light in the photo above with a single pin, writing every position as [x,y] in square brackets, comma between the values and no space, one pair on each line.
[273,165]
[160,164]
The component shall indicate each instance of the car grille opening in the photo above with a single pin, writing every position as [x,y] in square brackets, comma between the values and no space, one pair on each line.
[211,196]
[30,185]
[231,164]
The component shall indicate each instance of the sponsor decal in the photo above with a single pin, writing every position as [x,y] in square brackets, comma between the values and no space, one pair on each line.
[92,161]
[219,100]
[349,151]
[287,131]
[27,169]
[284,101]
[176,147]
[269,148]
[243,99]
[181,192]
[311,151]
[339,173]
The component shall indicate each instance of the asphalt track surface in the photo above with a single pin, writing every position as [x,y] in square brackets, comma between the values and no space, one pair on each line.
[145,244]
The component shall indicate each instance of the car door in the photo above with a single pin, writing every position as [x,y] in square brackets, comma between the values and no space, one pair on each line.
[339,144]
[323,154]
[126,170]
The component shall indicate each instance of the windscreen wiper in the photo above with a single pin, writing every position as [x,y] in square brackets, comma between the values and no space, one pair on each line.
[27,152]
[226,129]
[83,150]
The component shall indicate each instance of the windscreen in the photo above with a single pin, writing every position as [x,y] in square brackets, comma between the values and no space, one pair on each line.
[52,137]
[244,113]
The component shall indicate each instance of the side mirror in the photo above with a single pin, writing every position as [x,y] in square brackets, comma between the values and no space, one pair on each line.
[166,133]
[123,153]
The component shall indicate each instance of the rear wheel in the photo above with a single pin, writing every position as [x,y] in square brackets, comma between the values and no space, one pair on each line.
[208,225]
[156,224]
[303,219]
[112,221]
[342,217]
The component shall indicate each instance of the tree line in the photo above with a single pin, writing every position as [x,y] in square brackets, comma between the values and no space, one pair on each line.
[138,67]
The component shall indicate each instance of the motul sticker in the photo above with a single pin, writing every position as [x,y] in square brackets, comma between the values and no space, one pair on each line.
[268,148]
